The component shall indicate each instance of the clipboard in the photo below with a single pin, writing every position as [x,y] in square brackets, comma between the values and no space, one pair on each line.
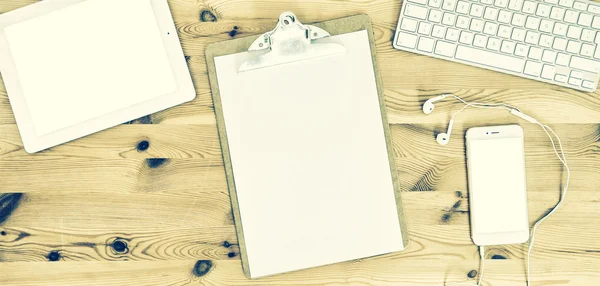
[266,42]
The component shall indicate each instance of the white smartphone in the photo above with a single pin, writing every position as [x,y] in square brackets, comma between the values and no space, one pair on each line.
[497,185]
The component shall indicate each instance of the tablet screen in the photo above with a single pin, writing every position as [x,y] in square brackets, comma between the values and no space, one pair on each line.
[89,60]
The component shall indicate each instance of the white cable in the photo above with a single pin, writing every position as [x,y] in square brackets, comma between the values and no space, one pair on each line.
[563,160]
[561,156]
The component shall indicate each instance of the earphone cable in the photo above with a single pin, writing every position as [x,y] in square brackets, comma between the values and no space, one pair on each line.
[561,156]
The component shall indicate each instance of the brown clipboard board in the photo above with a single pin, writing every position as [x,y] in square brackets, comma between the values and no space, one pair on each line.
[334,27]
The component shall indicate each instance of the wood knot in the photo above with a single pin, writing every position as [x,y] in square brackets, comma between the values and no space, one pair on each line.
[472,274]
[207,16]
[143,146]
[231,254]
[446,217]
[53,255]
[3,233]
[154,163]
[120,246]
[8,203]
[498,256]
[459,194]
[202,267]
[233,32]
[226,244]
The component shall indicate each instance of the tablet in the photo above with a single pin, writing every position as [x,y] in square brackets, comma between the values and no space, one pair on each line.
[73,68]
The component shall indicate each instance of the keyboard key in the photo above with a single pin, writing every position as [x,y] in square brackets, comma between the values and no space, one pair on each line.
[435,3]
[574,32]
[532,38]
[585,64]
[424,28]
[565,3]
[452,34]
[560,78]
[501,3]
[533,68]
[423,2]
[559,44]
[573,47]
[571,16]
[588,84]
[532,23]
[596,22]
[518,35]
[507,47]
[438,31]
[587,50]
[575,81]
[519,19]
[560,29]
[594,9]
[548,72]
[491,59]
[588,35]
[557,13]
[580,6]
[529,7]
[546,41]
[521,50]
[493,44]
[555,2]
[480,41]
[408,25]
[549,56]
[463,22]
[597,54]
[543,10]
[585,19]
[425,44]
[449,5]
[487,2]
[466,37]
[435,16]
[448,19]
[415,11]
[546,26]
[406,40]
[445,49]
[490,14]
[563,59]
[576,74]
[504,16]
[515,5]
[463,7]
[504,31]
[476,25]
[476,10]
[535,53]
[490,28]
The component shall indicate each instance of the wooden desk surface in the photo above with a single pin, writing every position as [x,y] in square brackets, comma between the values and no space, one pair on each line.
[146,203]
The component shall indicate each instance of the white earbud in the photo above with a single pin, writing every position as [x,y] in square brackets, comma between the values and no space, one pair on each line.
[428,105]
[444,138]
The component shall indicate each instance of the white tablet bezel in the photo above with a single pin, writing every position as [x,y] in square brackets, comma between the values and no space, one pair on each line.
[34,143]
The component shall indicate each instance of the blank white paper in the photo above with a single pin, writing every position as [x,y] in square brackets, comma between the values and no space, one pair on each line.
[88,60]
[497,170]
[309,159]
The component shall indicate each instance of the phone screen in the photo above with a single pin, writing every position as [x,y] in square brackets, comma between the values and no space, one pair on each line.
[497,186]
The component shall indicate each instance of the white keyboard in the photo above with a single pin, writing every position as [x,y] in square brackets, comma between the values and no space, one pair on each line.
[554,41]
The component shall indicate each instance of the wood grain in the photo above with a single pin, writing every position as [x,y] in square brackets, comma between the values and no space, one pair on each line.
[146,203]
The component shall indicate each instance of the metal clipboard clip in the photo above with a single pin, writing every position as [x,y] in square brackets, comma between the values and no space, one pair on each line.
[290,41]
